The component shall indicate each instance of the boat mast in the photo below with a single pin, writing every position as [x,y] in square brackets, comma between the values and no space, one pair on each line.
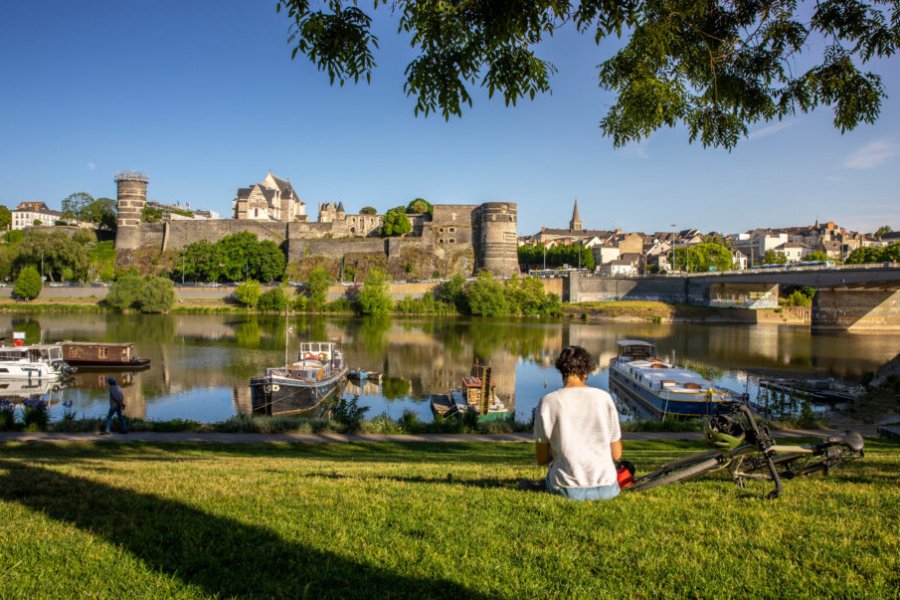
[287,330]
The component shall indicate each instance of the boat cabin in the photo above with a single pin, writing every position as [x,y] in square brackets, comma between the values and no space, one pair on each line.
[324,352]
[97,352]
[636,349]
[45,353]
[301,370]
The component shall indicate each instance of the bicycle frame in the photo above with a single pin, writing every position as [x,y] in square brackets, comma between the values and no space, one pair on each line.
[758,458]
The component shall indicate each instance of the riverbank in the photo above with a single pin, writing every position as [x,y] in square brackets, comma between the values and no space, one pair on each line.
[419,520]
[625,311]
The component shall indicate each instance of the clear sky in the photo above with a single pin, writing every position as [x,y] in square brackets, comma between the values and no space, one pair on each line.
[203,96]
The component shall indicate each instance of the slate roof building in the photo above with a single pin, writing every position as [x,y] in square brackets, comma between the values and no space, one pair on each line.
[27,214]
[272,199]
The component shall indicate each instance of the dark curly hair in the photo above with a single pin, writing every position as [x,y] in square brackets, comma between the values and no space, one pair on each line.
[575,360]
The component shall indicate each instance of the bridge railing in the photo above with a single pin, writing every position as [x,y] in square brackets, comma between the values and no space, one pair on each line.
[751,271]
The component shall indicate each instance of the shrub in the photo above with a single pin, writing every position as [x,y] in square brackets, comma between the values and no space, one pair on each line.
[274,300]
[349,414]
[409,422]
[381,424]
[15,236]
[396,222]
[341,305]
[158,295]
[125,292]
[317,288]
[247,293]
[35,415]
[486,296]
[453,292]
[373,298]
[28,284]
[84,236]
[7,416]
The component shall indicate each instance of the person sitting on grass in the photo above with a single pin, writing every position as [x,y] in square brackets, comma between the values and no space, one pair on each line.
[576,432]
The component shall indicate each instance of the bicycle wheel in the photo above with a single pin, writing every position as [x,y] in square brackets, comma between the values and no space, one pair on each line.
[674,474]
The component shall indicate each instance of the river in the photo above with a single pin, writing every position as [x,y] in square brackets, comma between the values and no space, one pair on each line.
[201,364]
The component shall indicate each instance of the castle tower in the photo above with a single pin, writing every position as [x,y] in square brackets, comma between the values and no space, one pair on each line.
[495,238]
[130,201]
[575,223]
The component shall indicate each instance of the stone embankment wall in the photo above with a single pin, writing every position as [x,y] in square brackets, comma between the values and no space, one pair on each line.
[604,289]
[857,310]
[673,290]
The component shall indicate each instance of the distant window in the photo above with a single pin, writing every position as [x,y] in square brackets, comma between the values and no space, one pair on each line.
[451,229]
[256,214]
[451,241]
[441,241]
[103,352]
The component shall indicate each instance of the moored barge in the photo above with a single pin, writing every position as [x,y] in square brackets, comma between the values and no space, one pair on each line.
[637,376]
[98,356]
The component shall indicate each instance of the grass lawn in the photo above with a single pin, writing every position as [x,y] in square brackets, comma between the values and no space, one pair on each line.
[426,520]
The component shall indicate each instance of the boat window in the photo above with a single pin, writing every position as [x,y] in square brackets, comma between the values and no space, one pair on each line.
[103,352]
[4,370]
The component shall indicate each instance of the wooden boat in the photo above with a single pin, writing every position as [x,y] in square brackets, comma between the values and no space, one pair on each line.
[476,395]
[301,387]
[103,356]
[39,361]
[635,375]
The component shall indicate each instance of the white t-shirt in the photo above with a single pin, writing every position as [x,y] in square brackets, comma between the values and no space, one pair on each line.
[579,423]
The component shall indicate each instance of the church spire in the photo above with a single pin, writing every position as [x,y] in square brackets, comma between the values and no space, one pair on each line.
[575,223]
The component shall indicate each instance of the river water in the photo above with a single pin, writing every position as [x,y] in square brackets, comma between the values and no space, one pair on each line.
[202,363]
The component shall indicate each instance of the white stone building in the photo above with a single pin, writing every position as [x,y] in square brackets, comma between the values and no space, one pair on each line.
[27,214]
[272,199]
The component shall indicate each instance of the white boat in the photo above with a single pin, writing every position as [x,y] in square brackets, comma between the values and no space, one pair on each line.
[636,375]
[302,386]
[40,361]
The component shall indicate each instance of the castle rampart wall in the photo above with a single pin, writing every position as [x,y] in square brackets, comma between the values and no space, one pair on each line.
[182,233]
[459,238]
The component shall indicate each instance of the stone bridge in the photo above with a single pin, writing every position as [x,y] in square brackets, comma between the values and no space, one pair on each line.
[850,298]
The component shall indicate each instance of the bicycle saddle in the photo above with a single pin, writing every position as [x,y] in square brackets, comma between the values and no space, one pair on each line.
[851,439]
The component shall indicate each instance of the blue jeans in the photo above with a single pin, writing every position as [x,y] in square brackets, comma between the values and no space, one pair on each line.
[109,416]
[603,492]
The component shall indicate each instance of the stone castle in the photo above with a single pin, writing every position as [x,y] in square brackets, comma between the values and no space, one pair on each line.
[455,238]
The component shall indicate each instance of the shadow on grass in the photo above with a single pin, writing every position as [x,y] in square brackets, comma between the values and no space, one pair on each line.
[225,558]
[482,483]
[368,452]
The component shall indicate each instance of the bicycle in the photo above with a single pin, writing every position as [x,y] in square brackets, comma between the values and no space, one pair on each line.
[750,452]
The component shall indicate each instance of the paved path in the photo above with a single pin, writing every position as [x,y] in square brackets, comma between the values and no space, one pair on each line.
[326,438]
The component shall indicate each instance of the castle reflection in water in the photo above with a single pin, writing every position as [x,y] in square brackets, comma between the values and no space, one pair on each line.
[202,363]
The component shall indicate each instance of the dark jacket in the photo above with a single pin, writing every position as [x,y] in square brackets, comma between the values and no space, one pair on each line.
[116,397]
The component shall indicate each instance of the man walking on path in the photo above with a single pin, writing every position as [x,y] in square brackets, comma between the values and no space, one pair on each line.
[116,406]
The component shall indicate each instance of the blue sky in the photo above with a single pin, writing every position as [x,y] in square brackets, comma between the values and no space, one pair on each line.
[203,96]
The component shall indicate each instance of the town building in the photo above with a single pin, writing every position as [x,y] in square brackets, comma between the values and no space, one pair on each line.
[29,214]
[272,199]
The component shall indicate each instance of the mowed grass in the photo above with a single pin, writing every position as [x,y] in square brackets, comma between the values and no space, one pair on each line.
[382,520]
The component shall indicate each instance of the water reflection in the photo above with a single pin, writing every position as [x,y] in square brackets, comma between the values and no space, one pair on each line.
[202,363]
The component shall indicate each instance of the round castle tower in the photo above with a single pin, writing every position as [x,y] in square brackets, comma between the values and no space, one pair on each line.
[130,201]
[496,241]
